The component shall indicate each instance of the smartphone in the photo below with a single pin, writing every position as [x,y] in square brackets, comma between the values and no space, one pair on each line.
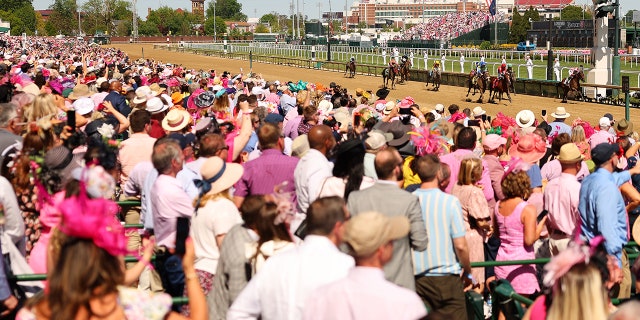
[71,119]
[473,123]
[484,117]
[489,118]
[544,112]
[182,233]
[405,111]
[356,119]
[542,214]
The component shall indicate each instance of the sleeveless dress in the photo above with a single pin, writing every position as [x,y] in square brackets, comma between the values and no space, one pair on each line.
[522,277]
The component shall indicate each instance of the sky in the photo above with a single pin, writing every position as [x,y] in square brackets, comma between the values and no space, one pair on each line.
[257,8]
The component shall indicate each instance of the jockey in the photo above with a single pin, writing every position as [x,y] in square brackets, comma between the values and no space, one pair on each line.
[392,62]
[480,70]
[436,68]
[353,60]
[572,73]
[501,70]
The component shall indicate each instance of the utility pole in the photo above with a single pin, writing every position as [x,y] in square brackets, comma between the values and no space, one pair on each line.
[134,23]
[215,29]
[329,33]
[615,65]
[298,18]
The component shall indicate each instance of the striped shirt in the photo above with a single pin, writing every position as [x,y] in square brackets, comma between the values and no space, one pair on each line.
[442,215]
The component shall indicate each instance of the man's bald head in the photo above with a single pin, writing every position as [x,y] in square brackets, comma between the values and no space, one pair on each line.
[115,86]
[321,138]
[386,162]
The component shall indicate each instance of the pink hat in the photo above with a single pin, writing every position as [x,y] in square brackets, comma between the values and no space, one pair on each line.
[493,141]
[530,148]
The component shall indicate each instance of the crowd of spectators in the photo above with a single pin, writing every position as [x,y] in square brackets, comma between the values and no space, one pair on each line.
[450,25]
[278,199]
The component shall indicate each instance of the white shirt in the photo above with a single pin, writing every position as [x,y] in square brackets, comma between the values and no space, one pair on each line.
[364,294]
[14,223]
[482,59]
[309,174]
[461,58]
[529,63]
[281,288]
[216,218]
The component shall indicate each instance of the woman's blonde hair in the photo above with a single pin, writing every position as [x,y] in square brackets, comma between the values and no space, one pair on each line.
[470,171]
[580,295]
[43,105]
[212,196]
[577,134]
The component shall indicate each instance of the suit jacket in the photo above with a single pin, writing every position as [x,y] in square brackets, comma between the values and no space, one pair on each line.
[119,102]
[390,200]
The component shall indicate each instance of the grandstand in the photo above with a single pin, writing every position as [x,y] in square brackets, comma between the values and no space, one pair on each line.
[450,26]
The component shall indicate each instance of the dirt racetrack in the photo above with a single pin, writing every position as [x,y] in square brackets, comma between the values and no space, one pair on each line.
[447,94]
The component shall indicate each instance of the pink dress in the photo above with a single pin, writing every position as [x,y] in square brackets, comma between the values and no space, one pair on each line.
[522,277]
[474,206]
[49,218]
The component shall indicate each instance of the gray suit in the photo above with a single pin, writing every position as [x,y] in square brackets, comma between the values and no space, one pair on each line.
[390,200]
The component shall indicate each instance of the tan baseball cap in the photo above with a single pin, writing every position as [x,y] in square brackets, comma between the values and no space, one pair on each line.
[367,231]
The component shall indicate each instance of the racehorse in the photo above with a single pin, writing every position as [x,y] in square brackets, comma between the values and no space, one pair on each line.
[498,87]
[351,68]
[390,73]
[479,85]
[434,77]
[405,67]
[574,85]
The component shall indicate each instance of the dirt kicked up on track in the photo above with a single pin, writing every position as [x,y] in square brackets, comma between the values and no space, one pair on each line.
[447,95]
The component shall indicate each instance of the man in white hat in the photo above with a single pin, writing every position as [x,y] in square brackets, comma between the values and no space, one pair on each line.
[375,142]
[556,69]
[561,196]
[365,293]
[603,135]
[529,64]
[558,125]
[494,147]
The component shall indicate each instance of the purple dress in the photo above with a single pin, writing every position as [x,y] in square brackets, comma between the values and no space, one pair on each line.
[522,277]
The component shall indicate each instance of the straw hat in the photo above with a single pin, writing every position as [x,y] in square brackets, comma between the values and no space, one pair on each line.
[624,126]
[79,91]
[156,89]
[176,120]
[219,174]
[560,113]
[83,106]
[478,111]
[141,94]
[569,153]
[525,118]
[155,105]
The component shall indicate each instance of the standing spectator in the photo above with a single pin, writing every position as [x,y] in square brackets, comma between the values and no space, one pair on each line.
[603,135]
[9,127]
[375,142]
[139,146]
[385,196]
[314,167]
[384,56]
[216,214]
[438,280]
[504,60]
[396,53]
[286,281]
[556,69]
[579,139]
[272,168]
[494,146]
[517,228]
[211,145]
[561,197]
[558,125]
[465,144]
[475,211]
[602,208]
[116,98]
[348,171]
[443,59]
[365,293]
[169,202]
[529,64]
[425,59]
[462,63]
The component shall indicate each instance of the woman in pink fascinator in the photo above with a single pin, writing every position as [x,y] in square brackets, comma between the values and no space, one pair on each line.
[86,270]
